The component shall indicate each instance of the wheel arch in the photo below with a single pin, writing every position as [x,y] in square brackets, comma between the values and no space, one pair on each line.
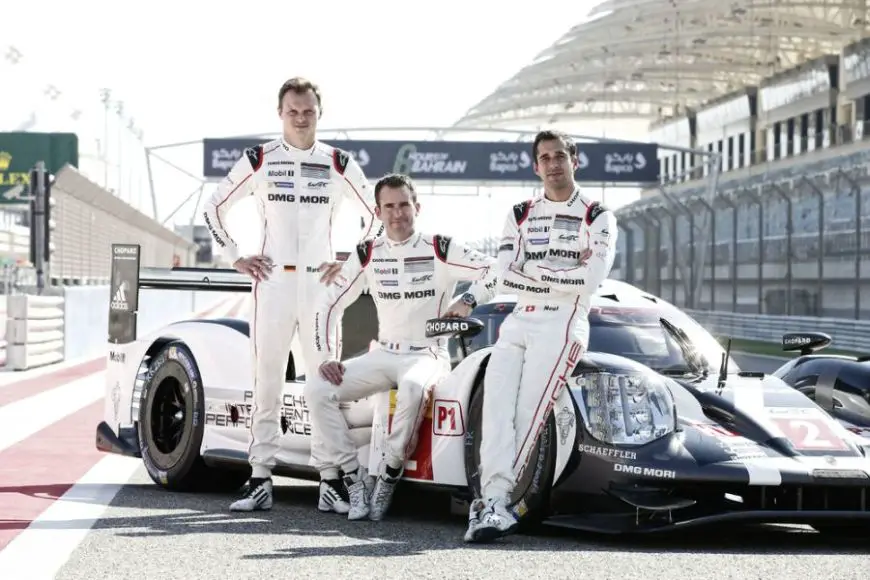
[189,473]
[220,347]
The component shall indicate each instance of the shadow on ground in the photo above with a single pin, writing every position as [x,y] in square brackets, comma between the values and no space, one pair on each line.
[419,522]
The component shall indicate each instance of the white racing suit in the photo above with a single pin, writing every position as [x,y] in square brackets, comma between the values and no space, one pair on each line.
[541,260]
[410,282]
[298,194]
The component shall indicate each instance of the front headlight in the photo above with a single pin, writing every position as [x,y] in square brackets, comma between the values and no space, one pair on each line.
[628,408]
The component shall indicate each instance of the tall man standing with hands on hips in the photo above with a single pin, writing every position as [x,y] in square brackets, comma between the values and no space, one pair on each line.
[412,278]
[299,184]
[554,253]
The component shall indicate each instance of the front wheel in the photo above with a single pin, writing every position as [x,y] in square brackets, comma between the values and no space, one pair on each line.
[531,495]
[171,425]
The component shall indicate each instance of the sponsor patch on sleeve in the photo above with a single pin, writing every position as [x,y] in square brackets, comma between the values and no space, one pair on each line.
[594,210]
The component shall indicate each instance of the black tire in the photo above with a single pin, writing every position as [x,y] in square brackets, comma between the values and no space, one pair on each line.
[171,426]
[533,488]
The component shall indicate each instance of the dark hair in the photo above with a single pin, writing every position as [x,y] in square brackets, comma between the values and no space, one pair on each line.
[553,135]
[300,86]
[395,181]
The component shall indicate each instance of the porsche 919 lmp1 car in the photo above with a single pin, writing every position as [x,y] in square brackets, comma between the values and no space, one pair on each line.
[659,428]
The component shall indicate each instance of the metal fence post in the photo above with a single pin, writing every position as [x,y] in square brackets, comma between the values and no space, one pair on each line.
[689,277]
[856,188]
[752,195]
[726,200]
[628,255]
[660,212]
[789,227]
[699,283]
[37,223]
[820,285]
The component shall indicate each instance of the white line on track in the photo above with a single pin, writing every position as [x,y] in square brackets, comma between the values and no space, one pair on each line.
[10,377]
[25,417]
[44,547]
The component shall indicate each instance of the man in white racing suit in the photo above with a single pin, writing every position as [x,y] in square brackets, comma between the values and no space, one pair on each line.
[554,253]
[411,277]
[299,185]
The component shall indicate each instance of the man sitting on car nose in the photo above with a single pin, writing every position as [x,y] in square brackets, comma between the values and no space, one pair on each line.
[411,277]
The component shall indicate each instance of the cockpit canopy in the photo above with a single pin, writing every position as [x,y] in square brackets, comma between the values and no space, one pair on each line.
[627,322]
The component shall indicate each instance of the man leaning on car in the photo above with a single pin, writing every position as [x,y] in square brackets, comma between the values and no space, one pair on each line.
[554,252]
[411,276]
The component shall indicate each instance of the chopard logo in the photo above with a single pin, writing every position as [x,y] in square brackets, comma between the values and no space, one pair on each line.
[445,326]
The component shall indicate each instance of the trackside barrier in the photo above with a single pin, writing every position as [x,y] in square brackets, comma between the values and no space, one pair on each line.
[847,334]
[41,330]
[34,330]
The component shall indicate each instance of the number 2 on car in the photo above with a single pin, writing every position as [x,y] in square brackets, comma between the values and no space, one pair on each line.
[809,434]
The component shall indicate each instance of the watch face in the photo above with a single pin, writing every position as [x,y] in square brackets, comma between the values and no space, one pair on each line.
[468,299]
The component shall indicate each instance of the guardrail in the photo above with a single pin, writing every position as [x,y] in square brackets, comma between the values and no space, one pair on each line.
[45,329]
[847,334]
[34,330]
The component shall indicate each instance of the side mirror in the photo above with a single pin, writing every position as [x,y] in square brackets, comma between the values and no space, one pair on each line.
[453,327]
[805,342]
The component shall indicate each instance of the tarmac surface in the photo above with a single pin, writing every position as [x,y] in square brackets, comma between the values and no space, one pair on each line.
[148,533]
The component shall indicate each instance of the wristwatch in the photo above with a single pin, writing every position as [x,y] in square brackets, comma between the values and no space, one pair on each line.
[468,298]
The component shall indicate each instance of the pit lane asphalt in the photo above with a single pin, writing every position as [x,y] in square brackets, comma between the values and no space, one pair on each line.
[150,533]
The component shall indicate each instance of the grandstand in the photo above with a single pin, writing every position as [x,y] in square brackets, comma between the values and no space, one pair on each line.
[778,91]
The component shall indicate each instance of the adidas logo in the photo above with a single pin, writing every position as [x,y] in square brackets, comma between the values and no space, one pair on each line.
[119,300]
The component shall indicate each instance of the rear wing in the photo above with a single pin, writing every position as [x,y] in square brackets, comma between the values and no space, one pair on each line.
[198,279]
[127,278]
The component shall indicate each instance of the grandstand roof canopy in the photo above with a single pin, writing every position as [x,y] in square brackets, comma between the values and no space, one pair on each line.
[651,59]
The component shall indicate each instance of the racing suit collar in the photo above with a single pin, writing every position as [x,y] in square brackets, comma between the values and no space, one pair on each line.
[291,149]
[574,195]
[407,242]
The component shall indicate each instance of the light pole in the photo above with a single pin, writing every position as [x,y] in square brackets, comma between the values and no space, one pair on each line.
[105,97]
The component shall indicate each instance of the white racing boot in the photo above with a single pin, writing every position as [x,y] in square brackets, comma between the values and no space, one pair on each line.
[330,497]
[493,521]
[257,496]
[382,495]
[359,489]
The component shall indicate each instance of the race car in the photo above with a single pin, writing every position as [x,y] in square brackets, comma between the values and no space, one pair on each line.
[658,428]
[839,384]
